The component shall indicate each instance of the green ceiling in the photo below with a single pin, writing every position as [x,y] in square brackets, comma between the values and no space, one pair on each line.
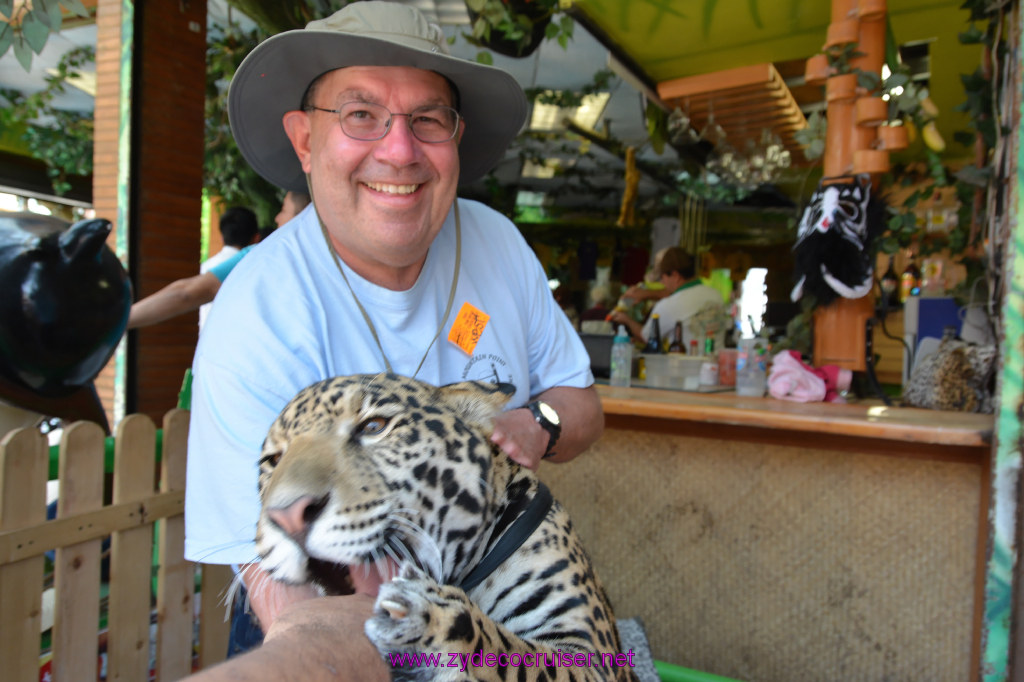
[675,38]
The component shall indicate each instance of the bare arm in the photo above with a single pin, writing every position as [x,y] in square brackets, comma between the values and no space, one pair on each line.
[178,297]
[268,598]
[581,417]
[315,640]
[636,330]
[638,292]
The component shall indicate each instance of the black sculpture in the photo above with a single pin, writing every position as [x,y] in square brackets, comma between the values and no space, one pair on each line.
[64,302]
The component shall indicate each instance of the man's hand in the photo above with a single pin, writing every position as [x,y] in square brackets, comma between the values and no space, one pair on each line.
[520,437]
[635,329]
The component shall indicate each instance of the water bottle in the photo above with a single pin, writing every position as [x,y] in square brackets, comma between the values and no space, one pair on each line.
[622,358]
[751,374]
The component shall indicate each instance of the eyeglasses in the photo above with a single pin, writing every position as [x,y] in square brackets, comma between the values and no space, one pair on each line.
[366,121]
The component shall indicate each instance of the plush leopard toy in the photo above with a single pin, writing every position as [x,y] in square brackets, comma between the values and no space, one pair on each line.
[365,474]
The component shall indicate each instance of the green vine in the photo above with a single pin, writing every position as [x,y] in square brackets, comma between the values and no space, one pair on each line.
[966,241]
[226,173]
[60,139]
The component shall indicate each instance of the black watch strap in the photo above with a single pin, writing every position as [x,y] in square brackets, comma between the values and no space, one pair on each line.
[548,420]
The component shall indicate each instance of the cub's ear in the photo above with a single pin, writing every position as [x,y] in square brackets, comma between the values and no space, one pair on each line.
[477,401]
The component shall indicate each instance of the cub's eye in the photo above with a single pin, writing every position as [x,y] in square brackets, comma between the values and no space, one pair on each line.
[270,460]
[372,426]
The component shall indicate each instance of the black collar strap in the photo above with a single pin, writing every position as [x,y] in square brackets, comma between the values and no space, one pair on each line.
[533,512]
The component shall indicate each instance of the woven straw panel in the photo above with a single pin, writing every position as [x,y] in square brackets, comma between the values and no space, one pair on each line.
[771,563]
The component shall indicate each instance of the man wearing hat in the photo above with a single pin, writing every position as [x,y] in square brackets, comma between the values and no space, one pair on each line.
[384,271]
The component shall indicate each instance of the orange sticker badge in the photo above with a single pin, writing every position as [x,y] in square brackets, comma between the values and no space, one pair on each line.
[467,328]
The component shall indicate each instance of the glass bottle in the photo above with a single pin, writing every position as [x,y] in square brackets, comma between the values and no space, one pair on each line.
[654,340]
[709,344]
[910,280]
[677,339]
[890,286]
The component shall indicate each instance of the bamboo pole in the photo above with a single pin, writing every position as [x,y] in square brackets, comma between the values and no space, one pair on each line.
[840,328]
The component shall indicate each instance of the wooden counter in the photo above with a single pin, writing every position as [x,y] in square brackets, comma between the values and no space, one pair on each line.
[771,541]
[863,425]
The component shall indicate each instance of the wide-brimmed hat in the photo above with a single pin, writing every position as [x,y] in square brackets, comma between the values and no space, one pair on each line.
[274,76]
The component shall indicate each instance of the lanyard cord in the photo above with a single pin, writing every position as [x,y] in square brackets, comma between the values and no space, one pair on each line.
[366,316]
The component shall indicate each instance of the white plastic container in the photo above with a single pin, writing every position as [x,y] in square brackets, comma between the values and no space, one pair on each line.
[673,370]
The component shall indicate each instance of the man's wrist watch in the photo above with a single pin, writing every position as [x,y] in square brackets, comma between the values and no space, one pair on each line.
[548,420]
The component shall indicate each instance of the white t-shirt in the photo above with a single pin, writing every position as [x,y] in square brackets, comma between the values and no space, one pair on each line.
[681,306]
[285,319]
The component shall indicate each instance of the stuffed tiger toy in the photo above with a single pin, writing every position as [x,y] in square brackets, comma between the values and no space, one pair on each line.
[395,474]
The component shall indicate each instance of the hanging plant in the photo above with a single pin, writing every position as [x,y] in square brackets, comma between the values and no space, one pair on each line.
[226,173]
[61,139]
[516,28]
[26,25]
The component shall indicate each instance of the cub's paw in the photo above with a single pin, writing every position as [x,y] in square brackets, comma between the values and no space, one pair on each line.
[414,613]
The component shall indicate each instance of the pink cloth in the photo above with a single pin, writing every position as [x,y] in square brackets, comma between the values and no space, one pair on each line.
[792,379]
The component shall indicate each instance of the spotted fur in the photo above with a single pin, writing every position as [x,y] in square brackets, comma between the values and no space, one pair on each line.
[388,467]
[957,376]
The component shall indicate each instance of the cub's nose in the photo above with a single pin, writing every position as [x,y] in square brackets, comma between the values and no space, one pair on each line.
[296,518]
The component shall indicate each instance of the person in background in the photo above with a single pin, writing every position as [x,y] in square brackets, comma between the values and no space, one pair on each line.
[291,206]
[594,320]
[386,271]
[238,229]
[189,293]
[676,270]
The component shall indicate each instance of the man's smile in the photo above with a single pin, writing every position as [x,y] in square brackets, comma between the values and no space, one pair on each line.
[392,189]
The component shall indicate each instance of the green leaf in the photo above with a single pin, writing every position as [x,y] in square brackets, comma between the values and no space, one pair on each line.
[41,11]
[709,10]
[815,150]
[481,29]
[972,36]
[23,52]
[963,137]
[476,5]
[897,79]
[972,175]
[868,80]
[35,31]
[6,7]
[485,57]
[56,16]
[6,38]
[754,13]
[889,245]
[75,6]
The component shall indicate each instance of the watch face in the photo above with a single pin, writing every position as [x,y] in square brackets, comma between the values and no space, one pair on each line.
[548,412]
